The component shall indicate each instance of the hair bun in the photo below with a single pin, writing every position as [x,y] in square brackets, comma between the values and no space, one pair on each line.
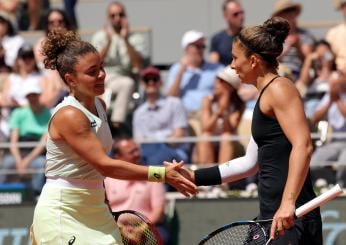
[277,27]
[57,41]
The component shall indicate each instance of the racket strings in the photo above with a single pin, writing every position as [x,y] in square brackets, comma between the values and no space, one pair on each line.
[136,231]
[251,234]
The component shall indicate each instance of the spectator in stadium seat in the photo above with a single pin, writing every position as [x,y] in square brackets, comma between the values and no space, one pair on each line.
[123,54]
[145,197]
[336,36]
[220,116]
[26,70]
[333,109]
[221,42]
[299,41]
[10,40]
[192,78]
[318,69]
[56,89]
[159,118]
[28,124]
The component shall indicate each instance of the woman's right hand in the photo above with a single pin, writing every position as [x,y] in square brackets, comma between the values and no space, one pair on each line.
[180,178]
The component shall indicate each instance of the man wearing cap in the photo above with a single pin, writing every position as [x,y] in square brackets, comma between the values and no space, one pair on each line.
[221,43]
[28,123]
[159,118]
[192,78]
[299,42]
[336,37]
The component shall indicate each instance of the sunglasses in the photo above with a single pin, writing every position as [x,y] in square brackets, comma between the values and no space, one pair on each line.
[151,79]
[113,15]
[200,46]
[59,21]
[239,13]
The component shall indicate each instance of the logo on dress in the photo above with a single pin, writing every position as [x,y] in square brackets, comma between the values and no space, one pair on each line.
[72,240]
[157,176]
[93,124]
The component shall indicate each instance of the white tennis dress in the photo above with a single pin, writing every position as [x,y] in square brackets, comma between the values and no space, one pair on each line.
[71,207]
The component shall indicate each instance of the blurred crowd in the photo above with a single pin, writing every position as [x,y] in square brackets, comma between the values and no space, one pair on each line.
[199,97]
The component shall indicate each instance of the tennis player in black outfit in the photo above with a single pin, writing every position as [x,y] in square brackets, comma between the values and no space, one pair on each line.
[280,147]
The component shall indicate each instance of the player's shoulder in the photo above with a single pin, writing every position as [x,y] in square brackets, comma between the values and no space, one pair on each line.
[282,89]
[69,115]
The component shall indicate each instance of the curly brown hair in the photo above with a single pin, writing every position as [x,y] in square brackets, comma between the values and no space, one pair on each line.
[63,49]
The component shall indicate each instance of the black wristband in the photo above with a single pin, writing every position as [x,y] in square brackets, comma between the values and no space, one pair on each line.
[208,176]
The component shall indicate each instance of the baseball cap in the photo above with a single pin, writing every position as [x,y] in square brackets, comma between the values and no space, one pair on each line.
[191,37]
[32,87]
[230,76]
[151,70]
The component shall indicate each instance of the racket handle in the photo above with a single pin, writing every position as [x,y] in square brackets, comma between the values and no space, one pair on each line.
[319,201]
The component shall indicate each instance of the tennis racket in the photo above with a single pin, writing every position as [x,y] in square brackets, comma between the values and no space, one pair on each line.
[136,229]
[254,232]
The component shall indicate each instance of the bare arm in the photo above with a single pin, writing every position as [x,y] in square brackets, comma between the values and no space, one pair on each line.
[321,113]
[305,78]
[208,119]
[14,137]
[283,98]
[174,90]
[5,99]
[84,142]
[341,106]
[39,148]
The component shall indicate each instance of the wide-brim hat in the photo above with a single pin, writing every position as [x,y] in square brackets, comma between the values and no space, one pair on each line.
[230,76]
[284,5]
[339,3]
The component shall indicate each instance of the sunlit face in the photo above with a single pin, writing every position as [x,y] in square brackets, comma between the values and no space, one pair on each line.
[3,27]
[33,99]
[89,77]
[128,151]
[151,84]
[234,15]
[56,21]
[116,14]
[242,64]
[325,56]
[222,87]
[195,51]
[27,63]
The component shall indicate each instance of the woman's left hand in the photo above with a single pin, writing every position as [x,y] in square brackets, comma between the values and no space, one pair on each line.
[282,220]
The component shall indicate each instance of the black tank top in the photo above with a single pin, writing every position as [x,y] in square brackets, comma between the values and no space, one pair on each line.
[273,156]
